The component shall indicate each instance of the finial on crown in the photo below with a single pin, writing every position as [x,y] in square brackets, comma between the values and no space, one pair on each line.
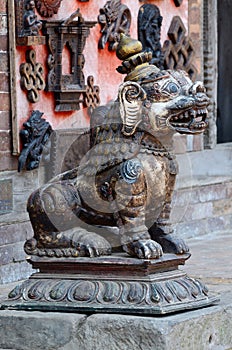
[135,61]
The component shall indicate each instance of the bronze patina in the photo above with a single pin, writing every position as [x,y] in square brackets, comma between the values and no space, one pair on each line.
[127,178]
[103,240]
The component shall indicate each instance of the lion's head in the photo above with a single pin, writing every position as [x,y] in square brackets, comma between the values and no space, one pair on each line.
[174,101]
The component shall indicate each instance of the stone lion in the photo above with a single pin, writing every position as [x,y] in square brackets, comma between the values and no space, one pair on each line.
[126,180]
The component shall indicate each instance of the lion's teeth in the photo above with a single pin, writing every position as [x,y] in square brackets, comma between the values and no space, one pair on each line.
[192,113]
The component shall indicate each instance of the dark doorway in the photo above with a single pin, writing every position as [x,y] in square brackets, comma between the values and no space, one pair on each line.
[224,115]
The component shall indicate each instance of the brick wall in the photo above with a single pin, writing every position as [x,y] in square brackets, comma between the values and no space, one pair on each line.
[7,161]
[199,209]
[14,225]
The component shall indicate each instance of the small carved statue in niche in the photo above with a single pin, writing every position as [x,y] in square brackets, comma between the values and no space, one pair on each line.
[149,27]
[31,24]
[114,18]
[127,178]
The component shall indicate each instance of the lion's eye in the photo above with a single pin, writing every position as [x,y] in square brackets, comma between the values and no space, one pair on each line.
[172,88]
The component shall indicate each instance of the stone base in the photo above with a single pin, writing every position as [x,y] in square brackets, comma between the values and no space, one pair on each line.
[112,284]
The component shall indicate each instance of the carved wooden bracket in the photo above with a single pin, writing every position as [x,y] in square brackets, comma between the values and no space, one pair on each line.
[27,24]
[31,74]
[47,8]
[179,51]
[114,18]
[149,28]
[34,136]
[68,37]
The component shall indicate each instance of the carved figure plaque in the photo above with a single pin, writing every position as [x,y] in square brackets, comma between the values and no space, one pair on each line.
[47,8]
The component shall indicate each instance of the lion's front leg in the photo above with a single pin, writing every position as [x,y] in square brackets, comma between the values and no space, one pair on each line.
[131,196]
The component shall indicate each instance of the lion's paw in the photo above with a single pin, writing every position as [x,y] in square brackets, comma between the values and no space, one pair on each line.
[172,244]
[89,243]
[144,249]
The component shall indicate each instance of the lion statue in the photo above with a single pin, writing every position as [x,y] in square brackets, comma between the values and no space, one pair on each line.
[119,197]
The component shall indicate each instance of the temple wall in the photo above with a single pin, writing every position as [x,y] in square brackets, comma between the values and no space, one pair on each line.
[208,201]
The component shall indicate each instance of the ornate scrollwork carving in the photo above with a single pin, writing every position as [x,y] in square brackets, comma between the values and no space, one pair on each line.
[31,76]
[149,27]
[179,51]
[92,98]
[70,89]
[114,18]
[34,136]
[148,293]
[47,8]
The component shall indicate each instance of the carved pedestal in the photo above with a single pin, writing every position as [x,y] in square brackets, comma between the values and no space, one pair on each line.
[112,284]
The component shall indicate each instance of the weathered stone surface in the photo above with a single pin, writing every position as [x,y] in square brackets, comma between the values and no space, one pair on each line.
[37,330]
[222,207]
[15,271]
[12,253]
[192,229]
[208,328]
[13,233]
[204,329]
[120,332]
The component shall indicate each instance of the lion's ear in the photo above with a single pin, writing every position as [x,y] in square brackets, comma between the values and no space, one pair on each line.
[131,97]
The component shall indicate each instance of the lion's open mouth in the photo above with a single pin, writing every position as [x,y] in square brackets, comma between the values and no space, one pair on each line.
[190,122]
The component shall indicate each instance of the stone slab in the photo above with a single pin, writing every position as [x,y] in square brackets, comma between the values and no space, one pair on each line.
[203,329]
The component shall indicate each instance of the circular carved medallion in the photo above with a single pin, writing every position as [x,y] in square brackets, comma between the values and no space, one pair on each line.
[47,8]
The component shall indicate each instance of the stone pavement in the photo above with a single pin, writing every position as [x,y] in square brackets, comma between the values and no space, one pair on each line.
[204,329]
[211,261]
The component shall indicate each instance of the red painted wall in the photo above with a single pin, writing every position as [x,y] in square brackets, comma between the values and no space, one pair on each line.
[99,63]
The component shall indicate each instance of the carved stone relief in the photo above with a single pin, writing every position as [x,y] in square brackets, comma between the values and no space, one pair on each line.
[69,88]
[149,27]
[34,136]
[47,8]
[179,51]
[114,18]
[31,76]
[27,24]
